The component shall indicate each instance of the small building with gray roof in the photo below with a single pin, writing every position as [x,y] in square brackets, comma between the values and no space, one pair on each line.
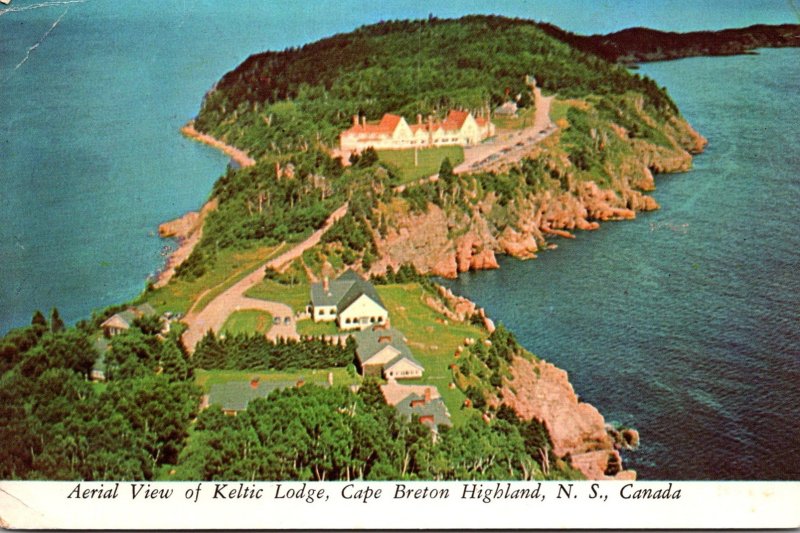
[382,351]
[431,411]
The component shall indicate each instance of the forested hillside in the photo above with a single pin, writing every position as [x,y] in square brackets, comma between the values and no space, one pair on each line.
[287,109]
[302,96]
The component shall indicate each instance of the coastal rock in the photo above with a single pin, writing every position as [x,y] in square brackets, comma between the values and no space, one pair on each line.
[519,245]
[456,308]
[631,437]
[180,227]
[188,229]
[539,390]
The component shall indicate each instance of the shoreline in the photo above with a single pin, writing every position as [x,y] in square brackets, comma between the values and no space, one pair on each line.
[239,156]
[187,229]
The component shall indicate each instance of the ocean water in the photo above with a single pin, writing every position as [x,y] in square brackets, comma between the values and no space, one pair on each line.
[93,92]
[684,323]
[694,305]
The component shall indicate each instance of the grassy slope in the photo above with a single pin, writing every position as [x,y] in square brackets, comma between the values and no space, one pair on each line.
[231,266]
[295,296]
[432,342]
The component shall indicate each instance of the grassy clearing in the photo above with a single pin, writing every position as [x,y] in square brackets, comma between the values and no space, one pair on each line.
[309,327]
[206,378]
[248,321]
[523,119]
[230,266]
[431,340]
[295,296]
[428,161]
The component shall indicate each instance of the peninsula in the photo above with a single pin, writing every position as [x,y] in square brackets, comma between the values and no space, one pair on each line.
[304,298]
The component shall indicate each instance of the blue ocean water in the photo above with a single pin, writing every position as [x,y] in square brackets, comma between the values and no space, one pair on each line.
[92,93]
[683,323]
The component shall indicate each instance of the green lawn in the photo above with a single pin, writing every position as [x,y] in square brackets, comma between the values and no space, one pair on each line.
[432,342]
[248,321]
[230,266]
[309,327]
[428,161]
[295,296]
[206,378]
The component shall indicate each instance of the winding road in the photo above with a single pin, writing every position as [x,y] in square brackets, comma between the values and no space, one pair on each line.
[213,315]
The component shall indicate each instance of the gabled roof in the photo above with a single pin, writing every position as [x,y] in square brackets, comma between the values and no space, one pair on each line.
[124,319]
[343,291]
[387,125]
[404,357]
[372,340]
[394,392]
[358,288]
[455,120]
[434,408]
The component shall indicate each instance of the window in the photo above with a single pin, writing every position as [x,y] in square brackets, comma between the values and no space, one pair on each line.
[380,319]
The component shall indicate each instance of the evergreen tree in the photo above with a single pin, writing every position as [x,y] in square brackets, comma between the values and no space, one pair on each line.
[38,319]
[56,324]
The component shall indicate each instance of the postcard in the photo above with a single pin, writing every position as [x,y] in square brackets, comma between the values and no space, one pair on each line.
[400,265]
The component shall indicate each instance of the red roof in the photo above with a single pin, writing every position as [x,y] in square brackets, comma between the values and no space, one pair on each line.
[455,119]
[387,125]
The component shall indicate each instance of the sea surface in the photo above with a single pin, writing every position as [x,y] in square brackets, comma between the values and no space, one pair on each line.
[683,323]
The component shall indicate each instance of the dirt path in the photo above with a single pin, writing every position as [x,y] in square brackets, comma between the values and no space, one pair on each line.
[213,315]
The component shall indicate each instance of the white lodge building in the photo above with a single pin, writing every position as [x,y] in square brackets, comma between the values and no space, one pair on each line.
[349,300]
[393,132]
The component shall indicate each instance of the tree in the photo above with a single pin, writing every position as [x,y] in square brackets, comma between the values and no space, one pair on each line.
[446,171]
[56,324]
[173,363]
[38,319]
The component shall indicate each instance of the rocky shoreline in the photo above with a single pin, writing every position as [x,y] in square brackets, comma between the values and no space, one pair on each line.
[427,240]
[188,228]
[537,389]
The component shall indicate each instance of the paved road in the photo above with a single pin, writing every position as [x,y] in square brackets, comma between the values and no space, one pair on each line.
[213,315]
[510,146]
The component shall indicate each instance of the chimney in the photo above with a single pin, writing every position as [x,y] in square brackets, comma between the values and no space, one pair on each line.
[326,284]
[254,383]
[300,383]
[427,395]
[364,120]
[419,118]
[355,120]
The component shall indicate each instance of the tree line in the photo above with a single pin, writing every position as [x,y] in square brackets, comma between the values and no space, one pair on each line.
[245,351]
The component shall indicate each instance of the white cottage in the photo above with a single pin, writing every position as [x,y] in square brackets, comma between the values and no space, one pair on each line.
[349,300]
